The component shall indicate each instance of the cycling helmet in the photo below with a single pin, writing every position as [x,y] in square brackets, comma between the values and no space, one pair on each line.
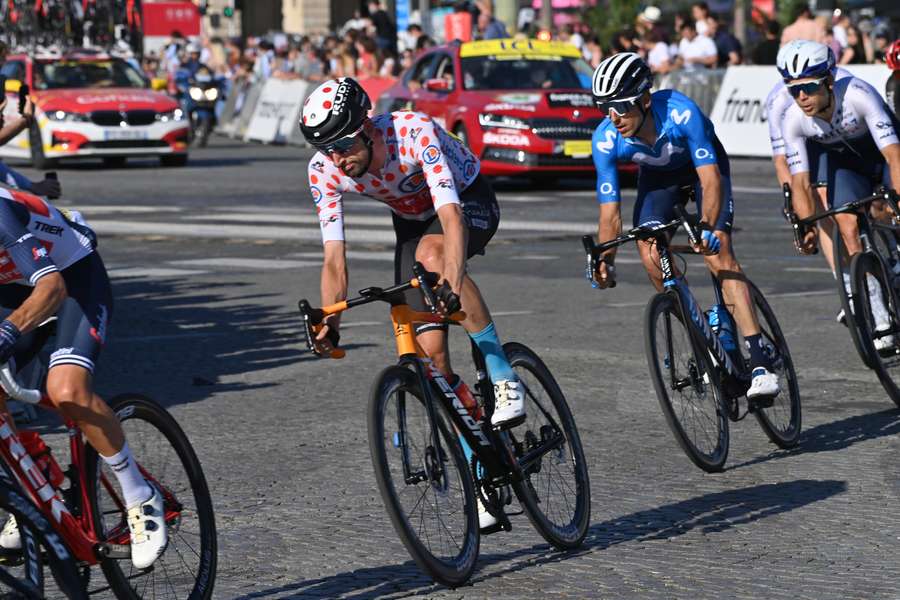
[335,109]
[892,56]
[621,77]
[803,58]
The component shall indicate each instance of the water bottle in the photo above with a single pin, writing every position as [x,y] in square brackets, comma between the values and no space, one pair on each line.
[721,323]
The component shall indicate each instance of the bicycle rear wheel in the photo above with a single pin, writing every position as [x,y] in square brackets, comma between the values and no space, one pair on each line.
[187,569]
[847,303]
[872,283]
[781,421]
[22,574]
[556,492]
[427,488]
[686,383]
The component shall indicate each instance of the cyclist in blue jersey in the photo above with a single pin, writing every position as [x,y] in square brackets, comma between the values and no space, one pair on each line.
[675,147]
[849,123]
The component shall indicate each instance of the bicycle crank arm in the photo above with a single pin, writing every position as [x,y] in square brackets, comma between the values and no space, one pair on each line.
[104,551]
[532,456]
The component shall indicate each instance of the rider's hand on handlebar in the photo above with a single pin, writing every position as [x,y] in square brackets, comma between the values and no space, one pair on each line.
[48,187]
[448,301]
[327,338]
[809,242]
[605,275]
[709,243]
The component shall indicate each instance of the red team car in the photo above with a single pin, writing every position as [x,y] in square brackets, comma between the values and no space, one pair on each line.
[524,107]
[93,105]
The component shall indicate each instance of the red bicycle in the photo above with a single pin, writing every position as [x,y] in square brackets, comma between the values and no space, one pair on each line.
[84,505]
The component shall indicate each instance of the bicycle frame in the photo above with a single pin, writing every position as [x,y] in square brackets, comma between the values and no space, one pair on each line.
[487,444]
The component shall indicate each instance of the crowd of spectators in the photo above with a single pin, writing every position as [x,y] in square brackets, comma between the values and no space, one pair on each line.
[369,46]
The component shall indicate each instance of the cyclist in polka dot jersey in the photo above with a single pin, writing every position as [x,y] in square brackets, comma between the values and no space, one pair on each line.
[443,211]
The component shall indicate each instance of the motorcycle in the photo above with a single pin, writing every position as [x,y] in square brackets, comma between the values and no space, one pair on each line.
[200,92]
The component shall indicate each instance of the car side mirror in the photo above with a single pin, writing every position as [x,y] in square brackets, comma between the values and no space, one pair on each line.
[438,85]
[158,84]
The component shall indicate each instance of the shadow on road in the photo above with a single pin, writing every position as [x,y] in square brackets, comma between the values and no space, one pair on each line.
[181,340]
[837,435]
[708,513]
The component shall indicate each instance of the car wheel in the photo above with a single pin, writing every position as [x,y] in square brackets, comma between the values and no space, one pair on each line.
[463,135]
[38,160]
[114,162]
[174,160]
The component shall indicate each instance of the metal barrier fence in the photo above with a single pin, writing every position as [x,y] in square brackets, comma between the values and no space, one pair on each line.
[700,85]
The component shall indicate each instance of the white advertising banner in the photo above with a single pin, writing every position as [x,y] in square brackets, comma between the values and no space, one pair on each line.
[277,112]
[739,113]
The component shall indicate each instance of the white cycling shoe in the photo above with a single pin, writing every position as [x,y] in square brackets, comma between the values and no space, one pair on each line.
[883,343]
[509,405]
[149,535]
[842,318]
[485,519]
[10,538]
[763,384]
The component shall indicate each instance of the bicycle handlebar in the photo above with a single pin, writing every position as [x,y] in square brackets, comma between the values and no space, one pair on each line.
[423,280]
[15,391]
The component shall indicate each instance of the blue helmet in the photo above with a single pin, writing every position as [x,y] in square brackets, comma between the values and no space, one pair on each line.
[803,58]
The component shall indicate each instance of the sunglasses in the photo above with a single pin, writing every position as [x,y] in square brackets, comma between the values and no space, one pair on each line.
[809,88]
[341,145]
[620,107]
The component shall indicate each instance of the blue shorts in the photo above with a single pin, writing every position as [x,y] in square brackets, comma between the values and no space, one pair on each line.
[659,191]
[851,177]
[82,320]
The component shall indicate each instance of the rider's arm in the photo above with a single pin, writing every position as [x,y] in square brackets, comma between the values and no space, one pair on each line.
[14,178]
[711,183]
[334,276]
[892,156]
[703,154]
[609,227]
[776,106]
[49,293]
[439,177]
[798,165]
[327,196]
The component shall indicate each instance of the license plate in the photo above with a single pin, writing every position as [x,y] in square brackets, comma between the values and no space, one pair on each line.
[124,134]
[577,147]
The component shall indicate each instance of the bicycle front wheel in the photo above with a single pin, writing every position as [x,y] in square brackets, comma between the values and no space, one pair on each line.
[22,573]
[556,492]
[187,569]
[781,421]
[877,317]
[425,482]
[686,383]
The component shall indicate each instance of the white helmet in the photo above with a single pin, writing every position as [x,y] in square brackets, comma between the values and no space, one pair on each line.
[803,58]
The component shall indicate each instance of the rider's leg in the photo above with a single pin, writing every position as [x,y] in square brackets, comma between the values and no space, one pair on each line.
[826,230]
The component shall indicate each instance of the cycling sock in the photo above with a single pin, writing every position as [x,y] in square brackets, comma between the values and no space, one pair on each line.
[498,366]
[134,487]
[879,310]
[758,356]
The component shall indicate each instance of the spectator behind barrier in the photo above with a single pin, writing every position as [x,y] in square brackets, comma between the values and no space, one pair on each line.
[767,50]
[696,51]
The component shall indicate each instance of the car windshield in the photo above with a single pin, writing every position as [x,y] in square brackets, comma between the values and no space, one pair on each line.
[519,73]
[86,74]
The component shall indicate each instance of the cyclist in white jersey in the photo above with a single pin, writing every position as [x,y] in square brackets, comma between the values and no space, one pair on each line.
[48,266]
[443,212]
[778,102]
[849,123]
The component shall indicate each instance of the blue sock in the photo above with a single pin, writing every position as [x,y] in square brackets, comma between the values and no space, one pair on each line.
[497,364]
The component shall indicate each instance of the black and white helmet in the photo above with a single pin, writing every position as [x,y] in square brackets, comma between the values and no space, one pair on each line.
[338,107]
[621,77]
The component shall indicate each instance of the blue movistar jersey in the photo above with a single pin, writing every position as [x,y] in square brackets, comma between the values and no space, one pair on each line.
[685,140]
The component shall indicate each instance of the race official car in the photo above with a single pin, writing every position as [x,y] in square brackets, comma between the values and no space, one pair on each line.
[92,105]
[524,107]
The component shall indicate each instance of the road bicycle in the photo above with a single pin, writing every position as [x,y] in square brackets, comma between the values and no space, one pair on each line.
[22,576]
[415,421]
[700,385]
[873,271]
[84,506]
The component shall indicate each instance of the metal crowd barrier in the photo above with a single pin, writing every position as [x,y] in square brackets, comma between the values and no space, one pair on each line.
[701,85]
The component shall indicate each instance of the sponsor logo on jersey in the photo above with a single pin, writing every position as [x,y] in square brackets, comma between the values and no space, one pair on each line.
[445,183]
[316,194]
[48,228]
[99,332]
[412,183]
[702,153]
[606,146]
[431,154]
[607,189]
[883,125]
[414,133]
[318,166]
[38,253]
[469,169]
[682,117]
[666,155]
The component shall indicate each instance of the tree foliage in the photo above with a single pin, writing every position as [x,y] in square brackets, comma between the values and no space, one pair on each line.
[612,16]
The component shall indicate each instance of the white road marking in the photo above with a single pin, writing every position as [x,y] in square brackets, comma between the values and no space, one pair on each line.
[535,257]
[266,264]
[387,256]
[252,232]
[89,209]
[148,272]
[511,313]
[808,269]
[753,189]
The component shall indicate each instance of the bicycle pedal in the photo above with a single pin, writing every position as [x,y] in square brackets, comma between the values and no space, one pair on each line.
[760,402]
[509,424]
[11,558]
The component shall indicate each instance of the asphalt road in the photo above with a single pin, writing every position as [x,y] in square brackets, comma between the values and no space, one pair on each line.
[209,261]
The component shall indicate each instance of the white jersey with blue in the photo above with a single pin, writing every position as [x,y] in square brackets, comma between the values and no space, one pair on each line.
[685,140]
